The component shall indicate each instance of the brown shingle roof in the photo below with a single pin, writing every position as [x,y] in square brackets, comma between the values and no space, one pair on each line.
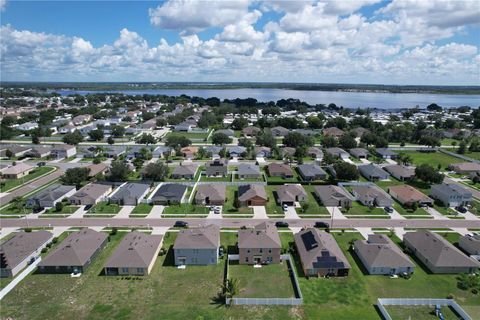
[264,235]
[198,238]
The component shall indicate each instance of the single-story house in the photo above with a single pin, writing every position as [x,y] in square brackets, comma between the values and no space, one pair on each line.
[169,193]
[197,246]
[360,131]
[97,168]
[210,194]
[17,151]
[280,170]
[251,131]
[373,172]
[248,171]
[386,153]
[216,168]
[184,171]
[135,255]
[379,255]
[263,152]
[252,195]
[48,197]
[400,172]
[236,151]
[38,152]
[129,194]
[470,244]
[60,151]
[227,132]
[359,153]
[27,126]
[337,153]
[315,152]
[162,151]
[333,196]
[183,127]
[279,131]
[90,194]
[260,245]
[320,254]
[189,152]
[114,151]
[75,253]
[287,152]
[311,172]
[437,254]
[451,195]
[408,195]
[333,131]
[371,195]
[213,151]
[465,167]
[290,193]
[15,253]
[17,171]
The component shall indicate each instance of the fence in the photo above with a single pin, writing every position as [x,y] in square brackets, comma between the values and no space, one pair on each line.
[382,302]
[298,300]
[460,156]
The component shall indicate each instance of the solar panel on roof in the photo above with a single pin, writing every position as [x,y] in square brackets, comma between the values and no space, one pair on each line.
[309,241]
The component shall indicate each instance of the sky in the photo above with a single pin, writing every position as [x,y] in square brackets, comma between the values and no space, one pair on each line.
[320,41]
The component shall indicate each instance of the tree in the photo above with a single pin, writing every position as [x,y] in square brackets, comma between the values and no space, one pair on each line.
[434,107]
[147,115]
[176,141]
[118,131]
[474,145]
[207,119]
[220,138]
[58,206]
[75,176]
[329,141]
[110,140]
[157,171]
[305,205]
[314,122]
[347,141]
[266,139]
[118,171]
[230,288]
[146,138]
[96,135]
[404,158]
[429,141]
[462,147]
[73,138]
[8,153]
[160,122]
[35,139]
[428,174]
[244,142]
[239,123]
[296,139]
[346,171]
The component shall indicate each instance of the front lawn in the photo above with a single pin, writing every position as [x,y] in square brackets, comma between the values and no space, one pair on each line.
[185,209]
[405,211]
[142,208]
[272,206]
[9,184]
[314,208]
[66,209]
[229,205]
[361,210]
[105,207]
[189,135]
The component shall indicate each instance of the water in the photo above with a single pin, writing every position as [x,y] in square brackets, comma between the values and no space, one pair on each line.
[380,100]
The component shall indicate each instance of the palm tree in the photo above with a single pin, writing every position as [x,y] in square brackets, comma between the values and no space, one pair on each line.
[230,288]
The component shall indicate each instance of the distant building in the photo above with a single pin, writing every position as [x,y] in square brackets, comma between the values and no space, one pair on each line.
[17,171]
[451,195]
[48,197]
[470,244]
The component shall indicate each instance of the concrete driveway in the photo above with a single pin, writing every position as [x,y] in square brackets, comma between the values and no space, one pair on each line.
[291,213]
[259,212]
[156,212]
[124,212]
[78,214]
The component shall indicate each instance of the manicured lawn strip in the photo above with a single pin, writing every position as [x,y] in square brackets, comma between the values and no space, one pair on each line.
[313,206]
[359,209]
[229,207]
[190,135]
[204,178]
[142,208]
[185,208]
[404,211]
[105,207]
[65,210]
[475,208]
[272,207]
[432,158]
[269,281]
[444,210]
[419,312]
[13,209]
[93,215]
[35,173]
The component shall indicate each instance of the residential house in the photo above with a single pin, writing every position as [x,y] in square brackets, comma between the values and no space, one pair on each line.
[183,127]
[135,255]
[279,131]
[184,171]
[97,168]
[48,197]
[81,119]
[311,172]
[114,151]
[75,253]
[307,132]
[69,128]
[129,194]
[263,152]
[451,195]
[359,131]
[252,195]
[359,153]
[320,254]
[248,171]
[380,255]
[27,126]
[408,195]
[386,153]
[236,151]
[227,132]
[287,152]
[373,172]
[38,152]
[400,172]
[213,151]
[210,194]
[197,246]
[162,151]
[288,194]
[333,132]
[17,151]
[470,243]
[338,153]
[333,196]
[371,195]
[60,151]
[169,193]
[251,131]
[315,152]
[90,194]
[465,167]
[189,152]
[280,170]
[17,171]
[16,252]
[216,168]
[437,254]
[260,245]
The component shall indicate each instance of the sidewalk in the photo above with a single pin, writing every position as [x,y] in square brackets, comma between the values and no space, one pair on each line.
[19,277]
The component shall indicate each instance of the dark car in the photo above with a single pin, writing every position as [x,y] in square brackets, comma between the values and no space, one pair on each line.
[88,207]
[181,224]
[320,224]
[388,209]
[281,224]
[461,209]
[169,161]
[41,164]
[37,209]
[32,260]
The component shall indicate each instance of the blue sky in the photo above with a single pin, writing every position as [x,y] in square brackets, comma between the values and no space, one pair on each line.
[366,41]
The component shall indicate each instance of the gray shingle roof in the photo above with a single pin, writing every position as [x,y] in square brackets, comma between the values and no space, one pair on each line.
[130,190]
[20,246]
[264,235]
[216,192]
[53,192]
[198,238]
[247,192]
[171,191]
[380,251]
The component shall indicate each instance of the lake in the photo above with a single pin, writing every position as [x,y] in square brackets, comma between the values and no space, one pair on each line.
[380,100]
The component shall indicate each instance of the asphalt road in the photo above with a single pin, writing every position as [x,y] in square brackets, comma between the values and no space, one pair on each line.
[235,222]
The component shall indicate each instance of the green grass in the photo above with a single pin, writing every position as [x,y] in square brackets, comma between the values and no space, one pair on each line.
[65,210]
[229,205]
[314,208]
[444,210]
[432,158]
[228,178]
[272,207]
[142,208]
[361,210]
[189,135]
[35,173]
[12,209]
[185,208]
[105,207]
[405,211]
[419,312]
[259,179]
[270,281]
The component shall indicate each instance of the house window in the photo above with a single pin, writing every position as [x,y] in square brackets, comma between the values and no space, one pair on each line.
[124,270]
[261,250]
[248,250]
[246,259]
[139,270]
[269,250]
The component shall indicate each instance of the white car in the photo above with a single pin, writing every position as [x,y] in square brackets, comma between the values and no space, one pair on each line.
[285,207]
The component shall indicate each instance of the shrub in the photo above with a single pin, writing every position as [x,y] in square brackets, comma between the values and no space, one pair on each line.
[44,250]
[55,240]
[28,229]
[450,296]
[114,231]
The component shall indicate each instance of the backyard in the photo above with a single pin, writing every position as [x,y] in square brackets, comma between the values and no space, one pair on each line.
[9,184]
[419,312]
[432,158]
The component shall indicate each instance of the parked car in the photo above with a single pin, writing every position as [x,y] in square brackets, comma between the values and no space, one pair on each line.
[281,224]
[461,209]
[32,260]
[88,207]
[285,207]
[41,164]
[320,224]
[181,224]
[388,209]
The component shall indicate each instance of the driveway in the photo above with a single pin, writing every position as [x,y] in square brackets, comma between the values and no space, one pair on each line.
[124,212]
[336,213]
[435,214]
[212,215]
[75,160]
[6,231]
[78,214]
[365,232]
[391,161]
[365,161]
[291,213]
[156,212]
[259,212]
